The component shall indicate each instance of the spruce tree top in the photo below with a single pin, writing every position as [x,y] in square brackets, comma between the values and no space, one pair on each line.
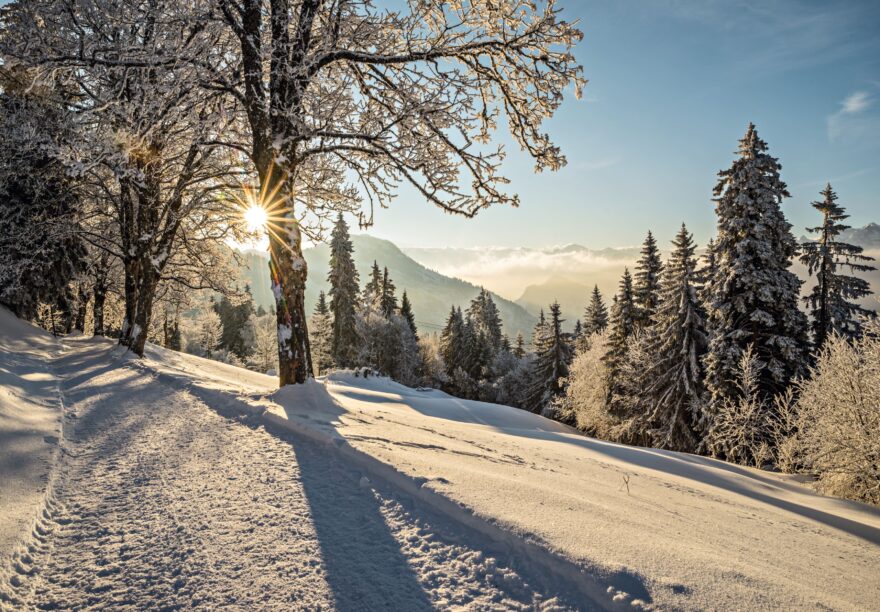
[646,290]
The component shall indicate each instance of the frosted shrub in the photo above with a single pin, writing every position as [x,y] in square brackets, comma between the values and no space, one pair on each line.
[839,417]
[585,402]
[741,430]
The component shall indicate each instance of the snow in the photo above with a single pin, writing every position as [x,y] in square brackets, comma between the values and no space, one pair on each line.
[30,408]
[205,484]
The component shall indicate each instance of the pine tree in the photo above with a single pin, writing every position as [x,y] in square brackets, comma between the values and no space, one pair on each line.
[552,360]
[519,349]
[646,285]
[754,295]
[321,332]
[407,313]
[706,273]
[452,341]
[343,279]
[373,288]
[673,383]
[41,248]
[831,301]
[486,318]
[596,315]
[578,330]
[234,319]
[622,324]
[387,299]
[540,329]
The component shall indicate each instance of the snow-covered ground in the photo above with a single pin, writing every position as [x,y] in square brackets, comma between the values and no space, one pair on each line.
[170,490]
[30,423]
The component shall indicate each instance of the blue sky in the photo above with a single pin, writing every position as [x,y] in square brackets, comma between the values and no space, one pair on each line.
[673,85]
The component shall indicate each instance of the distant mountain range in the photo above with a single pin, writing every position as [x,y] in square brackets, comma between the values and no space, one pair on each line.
[432,294]
[532,277]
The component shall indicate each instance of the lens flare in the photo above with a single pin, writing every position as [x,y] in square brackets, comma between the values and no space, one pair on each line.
[256,218]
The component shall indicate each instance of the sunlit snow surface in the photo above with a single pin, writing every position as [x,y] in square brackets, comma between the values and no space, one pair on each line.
[166,496]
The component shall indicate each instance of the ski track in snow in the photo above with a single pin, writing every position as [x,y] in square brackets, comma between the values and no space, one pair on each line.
[160,502]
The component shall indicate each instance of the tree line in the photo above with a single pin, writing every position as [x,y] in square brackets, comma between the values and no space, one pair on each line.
[716,356]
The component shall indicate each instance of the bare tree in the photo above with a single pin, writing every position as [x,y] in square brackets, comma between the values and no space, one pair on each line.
[345,100]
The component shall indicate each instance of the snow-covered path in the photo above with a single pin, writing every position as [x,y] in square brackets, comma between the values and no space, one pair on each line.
[160,502]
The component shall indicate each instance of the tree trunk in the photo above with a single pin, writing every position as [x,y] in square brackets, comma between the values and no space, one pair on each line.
[82,304]
[140,288]
[98,311]
[288,270]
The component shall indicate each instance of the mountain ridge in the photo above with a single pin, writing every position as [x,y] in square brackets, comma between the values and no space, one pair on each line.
[432,294]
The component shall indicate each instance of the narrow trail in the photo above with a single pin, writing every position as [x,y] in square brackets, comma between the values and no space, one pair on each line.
[158,501]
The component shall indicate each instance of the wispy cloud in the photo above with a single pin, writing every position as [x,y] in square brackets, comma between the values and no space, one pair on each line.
[856,103]
[853,121]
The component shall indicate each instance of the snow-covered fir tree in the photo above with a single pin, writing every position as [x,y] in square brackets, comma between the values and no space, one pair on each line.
[705,274]
[540,329]
[519,348]
[753,294]
[343,279]
[486,318]
[41,250]
[646,282]
[373,289]
[832,301]
[550,367]
[406,312]
[596,314]
[673,382]
[321,336]
[622,325]
[387,299]
[452,340]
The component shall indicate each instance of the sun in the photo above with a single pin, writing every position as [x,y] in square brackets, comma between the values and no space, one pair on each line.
[256,218]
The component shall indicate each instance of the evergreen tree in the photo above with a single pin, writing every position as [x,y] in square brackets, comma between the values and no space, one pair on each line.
[486,318]
[540,329]
[519,349]
[234,318]
[831,301]
[578,331]
[706,273]
[552,360]
[373,288]
[754,295]
[452,341]
[622,324]
[673,382]
[646,285]
[387,299]
[41,249]
[343,279]
[407,314]
[321,336]
[596,315]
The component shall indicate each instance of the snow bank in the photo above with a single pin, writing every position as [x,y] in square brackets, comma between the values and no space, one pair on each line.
[660,529]
[30,413]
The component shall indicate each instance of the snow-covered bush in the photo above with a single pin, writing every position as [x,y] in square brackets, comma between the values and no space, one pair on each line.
[839,417]
[751,430]
[586,399]
[264,356]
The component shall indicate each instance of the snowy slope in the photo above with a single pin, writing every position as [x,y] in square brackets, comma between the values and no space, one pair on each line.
[167,495]
[662,528]
[30,411]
